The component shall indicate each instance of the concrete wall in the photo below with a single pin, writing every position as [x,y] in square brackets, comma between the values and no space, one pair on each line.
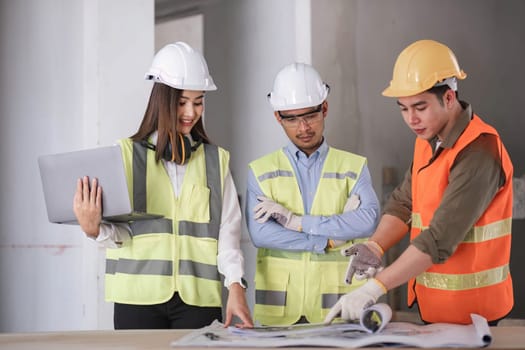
[246,43]
[188,29]
[72,77]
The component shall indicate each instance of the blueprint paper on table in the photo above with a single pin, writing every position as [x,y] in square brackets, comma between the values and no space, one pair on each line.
[373,329]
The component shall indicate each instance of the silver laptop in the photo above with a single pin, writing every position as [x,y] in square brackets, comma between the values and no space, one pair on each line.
[60,172]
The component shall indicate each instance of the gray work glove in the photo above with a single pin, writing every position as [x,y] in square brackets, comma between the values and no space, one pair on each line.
[364,262]
[267,209]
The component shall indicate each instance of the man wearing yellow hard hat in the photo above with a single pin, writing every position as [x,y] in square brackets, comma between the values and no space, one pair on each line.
[455,201]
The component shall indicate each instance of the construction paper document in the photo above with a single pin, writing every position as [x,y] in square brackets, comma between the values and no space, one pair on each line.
[373,329]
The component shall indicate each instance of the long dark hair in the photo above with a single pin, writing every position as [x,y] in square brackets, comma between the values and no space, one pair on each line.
[161,115]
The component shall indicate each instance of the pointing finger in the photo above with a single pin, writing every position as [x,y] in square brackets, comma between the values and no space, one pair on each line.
[334,311]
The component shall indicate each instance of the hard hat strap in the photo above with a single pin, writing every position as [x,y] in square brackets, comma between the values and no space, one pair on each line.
[452,82]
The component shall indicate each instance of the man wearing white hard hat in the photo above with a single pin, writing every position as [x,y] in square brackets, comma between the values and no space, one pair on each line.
[455,201]
[165,273]
[304,203]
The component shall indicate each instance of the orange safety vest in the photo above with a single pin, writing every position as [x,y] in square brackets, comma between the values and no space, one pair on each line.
[476,277]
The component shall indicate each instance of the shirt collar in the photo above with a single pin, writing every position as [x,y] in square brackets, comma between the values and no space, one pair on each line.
[322,151]
[458,128]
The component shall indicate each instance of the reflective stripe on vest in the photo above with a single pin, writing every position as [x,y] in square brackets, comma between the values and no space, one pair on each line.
[464,281]
[283,173]
[140,267]
[478,233]
[274,174]
[477,273]
[285,254]
[193,262]
[294,284]
[192,268]
[276,298]
[161,225]
[471,280]
[270,297]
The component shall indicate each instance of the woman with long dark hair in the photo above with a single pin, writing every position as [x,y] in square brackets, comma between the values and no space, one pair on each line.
[166,272]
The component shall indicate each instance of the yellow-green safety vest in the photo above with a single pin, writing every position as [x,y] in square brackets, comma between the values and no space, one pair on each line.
[179,251]
[288,284]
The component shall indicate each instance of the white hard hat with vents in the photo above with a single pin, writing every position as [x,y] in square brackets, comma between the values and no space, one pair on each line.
[296,86]
[180,66]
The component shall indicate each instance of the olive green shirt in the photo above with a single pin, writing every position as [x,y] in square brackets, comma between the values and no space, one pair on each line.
[474,179]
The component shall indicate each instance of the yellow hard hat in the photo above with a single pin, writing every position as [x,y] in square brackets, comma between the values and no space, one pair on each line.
[420,66]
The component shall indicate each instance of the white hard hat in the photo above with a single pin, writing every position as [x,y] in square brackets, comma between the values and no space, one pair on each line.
[180,66]
[296,86]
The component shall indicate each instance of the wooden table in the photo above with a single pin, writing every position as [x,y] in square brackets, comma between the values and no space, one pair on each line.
[503,338]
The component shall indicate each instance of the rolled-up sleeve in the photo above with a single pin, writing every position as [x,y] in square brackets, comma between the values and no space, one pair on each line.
[399,204]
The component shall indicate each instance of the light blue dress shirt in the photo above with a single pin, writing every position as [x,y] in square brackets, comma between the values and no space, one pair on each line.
[316,229]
